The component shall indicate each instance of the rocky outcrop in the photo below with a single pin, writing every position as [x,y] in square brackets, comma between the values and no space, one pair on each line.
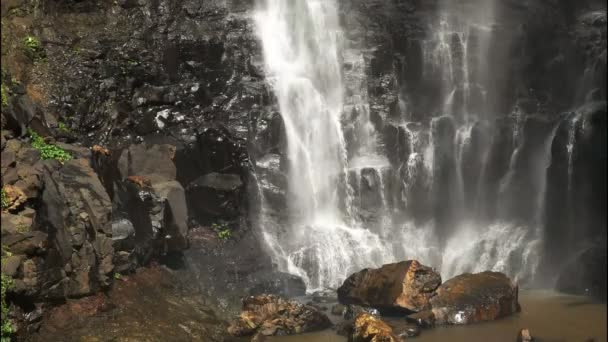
[585,274]
[368,328]
[57,228]
[405,286]
[470,298]
[272,315]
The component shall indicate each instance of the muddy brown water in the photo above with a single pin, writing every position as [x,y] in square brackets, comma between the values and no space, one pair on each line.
[550,316]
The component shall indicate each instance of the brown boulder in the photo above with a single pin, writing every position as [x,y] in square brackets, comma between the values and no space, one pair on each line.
[368,328]
[272,315]
[470,298]
[407,285]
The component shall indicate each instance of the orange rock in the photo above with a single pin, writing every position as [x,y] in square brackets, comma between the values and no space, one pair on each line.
[100,150]
[141,181]
[406,285]
[368,328]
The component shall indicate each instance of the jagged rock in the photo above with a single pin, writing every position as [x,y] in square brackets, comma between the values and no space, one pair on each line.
[273,315]
[75,212]
[470,298]
[368,328]
[407,286]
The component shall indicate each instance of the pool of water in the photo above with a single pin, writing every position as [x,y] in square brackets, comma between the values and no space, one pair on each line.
[550,316]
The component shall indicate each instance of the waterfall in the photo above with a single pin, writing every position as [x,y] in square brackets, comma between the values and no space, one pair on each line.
[361,193]
[302,42]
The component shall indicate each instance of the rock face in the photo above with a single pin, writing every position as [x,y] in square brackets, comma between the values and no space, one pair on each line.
[368,328]
[57,228]
[272,315]
[585,274]
[407,285]
[470,298]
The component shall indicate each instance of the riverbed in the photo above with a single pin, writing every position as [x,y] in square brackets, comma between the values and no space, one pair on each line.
[550,316]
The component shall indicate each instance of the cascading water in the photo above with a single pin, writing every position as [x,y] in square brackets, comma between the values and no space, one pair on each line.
[301,42]
[447,195]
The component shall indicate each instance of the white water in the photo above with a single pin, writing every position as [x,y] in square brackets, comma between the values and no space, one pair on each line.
[333,227]
[301,42]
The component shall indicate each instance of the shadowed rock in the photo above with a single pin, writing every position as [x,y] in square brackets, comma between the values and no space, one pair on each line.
[470,298]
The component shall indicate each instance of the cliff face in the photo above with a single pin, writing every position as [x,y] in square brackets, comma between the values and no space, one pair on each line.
[164,109]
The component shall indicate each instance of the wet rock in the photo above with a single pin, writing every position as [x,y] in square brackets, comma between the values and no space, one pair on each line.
[278,283]
[351,311]
[524,336]
[404,286]
[585,274]
[470,298]
[405,330]
[215,195]
[273,315]
[338,309]
[344,328]
[368,328]
[424,319]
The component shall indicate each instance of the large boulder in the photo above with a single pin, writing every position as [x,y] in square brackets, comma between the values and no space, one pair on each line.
[403,286]
[369,328]
[470,298]
[272,315]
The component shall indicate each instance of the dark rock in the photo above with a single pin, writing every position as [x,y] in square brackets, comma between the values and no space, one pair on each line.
[278,283]
[405,286]
[424,319]
[344,328]
[585,274]
[215,196]
[405,330]
[351,311]
[470,298]
[272,315]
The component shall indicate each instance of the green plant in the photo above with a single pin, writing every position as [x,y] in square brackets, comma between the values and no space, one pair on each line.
[33,48]
[7,326]
[222,230]
[117,276]
[5,201]
[62,127]
[4,95]
[48,151]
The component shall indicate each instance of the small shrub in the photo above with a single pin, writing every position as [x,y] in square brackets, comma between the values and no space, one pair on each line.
[33,48]
[48,151]
[222,230]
